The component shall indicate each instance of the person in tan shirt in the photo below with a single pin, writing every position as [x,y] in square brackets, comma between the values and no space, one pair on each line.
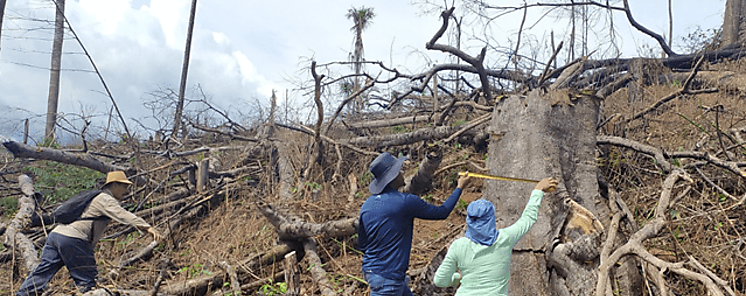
[72,244]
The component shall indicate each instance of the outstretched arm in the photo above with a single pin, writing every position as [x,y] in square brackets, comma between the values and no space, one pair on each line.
[530,213]
[424,210]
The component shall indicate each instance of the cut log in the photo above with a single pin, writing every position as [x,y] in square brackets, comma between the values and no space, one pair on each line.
[428,133]
[287,228]
[203,175]
[292,278]
[422,181]
[317,271]
[85,160]
[14,237]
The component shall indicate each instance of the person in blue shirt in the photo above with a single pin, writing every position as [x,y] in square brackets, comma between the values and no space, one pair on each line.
[386,224]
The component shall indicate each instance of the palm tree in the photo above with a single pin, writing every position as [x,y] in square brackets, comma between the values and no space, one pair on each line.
[361,17]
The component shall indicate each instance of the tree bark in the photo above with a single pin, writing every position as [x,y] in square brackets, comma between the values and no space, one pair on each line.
[54,73]
[2,14]
[13,235]
[422,181]
[317,271]
[733,23]
[184,70]
[545,137]
[85,160]
[430,133]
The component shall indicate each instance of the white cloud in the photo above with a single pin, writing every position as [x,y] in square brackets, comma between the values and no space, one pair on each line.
[250,74]
[108,14]
[220,38]
[174,19]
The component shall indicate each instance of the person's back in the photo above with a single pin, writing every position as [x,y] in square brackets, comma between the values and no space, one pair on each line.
[386,230]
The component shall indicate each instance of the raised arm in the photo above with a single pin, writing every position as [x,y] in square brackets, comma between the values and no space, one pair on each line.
[530,213]
[423,210]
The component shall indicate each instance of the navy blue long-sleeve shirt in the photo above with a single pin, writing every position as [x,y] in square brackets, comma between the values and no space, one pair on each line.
[385,229]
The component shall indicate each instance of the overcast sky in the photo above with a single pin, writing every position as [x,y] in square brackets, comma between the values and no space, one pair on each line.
[241,50]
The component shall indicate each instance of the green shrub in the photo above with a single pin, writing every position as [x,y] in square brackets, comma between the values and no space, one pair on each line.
[58,182]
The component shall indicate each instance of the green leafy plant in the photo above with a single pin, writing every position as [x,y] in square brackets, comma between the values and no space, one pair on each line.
[313,185]
[58,182]
[365,178]
[278,288]
[194,270]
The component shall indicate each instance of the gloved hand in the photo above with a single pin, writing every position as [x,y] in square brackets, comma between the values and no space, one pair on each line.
[547,185]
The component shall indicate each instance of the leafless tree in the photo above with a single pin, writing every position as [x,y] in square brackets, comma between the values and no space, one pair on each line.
[184,70]
[54,75]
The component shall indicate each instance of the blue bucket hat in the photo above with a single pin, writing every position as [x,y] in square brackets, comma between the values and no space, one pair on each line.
[385,168]
[480,222]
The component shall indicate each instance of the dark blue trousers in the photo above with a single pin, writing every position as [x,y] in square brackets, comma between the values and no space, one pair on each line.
[74,253]
[381,286]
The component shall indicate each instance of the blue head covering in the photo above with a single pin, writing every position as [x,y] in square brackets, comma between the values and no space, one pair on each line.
[480,221]
[385,168]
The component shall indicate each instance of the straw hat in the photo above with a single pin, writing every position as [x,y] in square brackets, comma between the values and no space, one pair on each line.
[116,176]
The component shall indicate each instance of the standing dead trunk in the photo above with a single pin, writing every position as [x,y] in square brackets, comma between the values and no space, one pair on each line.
[733,22]
[540,135]
[54,73]
[184,71]
[2,13]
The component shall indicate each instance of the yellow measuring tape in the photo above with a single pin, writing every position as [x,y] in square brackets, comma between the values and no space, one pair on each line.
[483,176]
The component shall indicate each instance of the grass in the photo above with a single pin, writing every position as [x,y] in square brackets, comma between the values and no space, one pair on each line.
[58,182]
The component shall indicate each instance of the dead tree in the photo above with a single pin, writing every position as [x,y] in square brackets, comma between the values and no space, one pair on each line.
[14,236]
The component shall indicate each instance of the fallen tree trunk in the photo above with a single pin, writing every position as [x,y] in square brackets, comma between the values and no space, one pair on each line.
[286,228]
[422,180]
[389,121]
[85,160]
[199,285]
[14,238]
[428,133]
[317,271]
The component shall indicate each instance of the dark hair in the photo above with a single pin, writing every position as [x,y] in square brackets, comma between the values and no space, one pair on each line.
[106,186]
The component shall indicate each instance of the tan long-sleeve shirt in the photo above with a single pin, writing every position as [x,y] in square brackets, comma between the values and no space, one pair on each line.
[103,205]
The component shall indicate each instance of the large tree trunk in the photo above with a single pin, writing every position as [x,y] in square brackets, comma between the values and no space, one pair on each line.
[54,75]
[540,135]
[733,22]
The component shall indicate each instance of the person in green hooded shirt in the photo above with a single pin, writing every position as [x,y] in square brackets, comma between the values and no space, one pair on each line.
[480,261]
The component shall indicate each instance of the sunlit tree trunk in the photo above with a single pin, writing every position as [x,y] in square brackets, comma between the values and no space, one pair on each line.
[54,76]
[733,22]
